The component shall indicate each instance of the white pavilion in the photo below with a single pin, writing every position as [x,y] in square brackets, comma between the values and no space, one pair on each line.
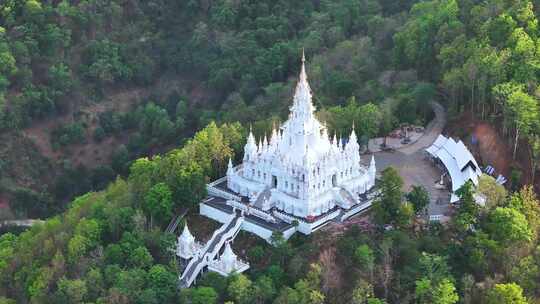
[186,246]
[301,171]
[228,263]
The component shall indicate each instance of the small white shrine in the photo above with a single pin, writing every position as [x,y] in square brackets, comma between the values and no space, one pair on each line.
[228,263]
[186,246]
[195,257]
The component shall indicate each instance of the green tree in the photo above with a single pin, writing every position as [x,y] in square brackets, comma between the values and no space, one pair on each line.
[263,289]
[445,293]
[419,198]
[387,208]
[362,292]
[71,291]
[163,283]
[77,247]
[142,175]
[140,258]
[494,192]
[90,229]
[508,226]
[240,289]
[203,295]
[525,111]
[158,202]
[468,210]
[510,293]
[527,203]
[364,257]
[534,142]
[369,120]
[526,273]
[416,43]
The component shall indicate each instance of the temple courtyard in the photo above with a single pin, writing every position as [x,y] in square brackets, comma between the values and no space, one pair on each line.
[414,166]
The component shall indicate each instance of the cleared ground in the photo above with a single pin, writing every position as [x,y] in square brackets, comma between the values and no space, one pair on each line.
[415,168]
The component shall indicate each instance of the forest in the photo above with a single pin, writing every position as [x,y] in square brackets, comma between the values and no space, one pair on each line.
[169,89]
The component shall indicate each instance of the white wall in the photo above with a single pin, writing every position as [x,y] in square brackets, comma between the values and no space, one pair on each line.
[215,214]
[224,217]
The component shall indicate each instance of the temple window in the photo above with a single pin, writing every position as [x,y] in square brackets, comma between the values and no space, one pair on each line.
[258,174]
[286,184]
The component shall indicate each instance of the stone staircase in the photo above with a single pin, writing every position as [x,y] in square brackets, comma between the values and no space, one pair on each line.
[264,195]
[346,198]
[209,252]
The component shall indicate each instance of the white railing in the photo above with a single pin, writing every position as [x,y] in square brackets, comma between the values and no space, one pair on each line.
[217,181]
[252,210]
[435,217]
[203,260]
[356,209]
[237,205]
[286,218]
[221,193]
[228,235]
[261,214]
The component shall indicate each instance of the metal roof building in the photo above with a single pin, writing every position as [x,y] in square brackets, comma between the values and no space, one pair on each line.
[458,161]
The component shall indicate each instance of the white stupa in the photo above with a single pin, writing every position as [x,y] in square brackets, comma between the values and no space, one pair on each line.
[186,247]
[228,263]
[301,171]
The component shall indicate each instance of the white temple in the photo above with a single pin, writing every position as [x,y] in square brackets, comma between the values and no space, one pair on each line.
[301,171]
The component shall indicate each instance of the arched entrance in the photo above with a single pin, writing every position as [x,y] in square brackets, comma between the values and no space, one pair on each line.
[274,181]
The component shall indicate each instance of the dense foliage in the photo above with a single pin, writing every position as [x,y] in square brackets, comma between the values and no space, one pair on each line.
[375,63]
[484,55]
[109,245]
[75,63]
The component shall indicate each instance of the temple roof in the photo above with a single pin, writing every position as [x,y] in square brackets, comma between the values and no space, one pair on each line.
[302,140]
[186,237]
[228,254]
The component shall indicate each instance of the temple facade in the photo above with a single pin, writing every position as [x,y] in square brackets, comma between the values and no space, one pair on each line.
[300,170]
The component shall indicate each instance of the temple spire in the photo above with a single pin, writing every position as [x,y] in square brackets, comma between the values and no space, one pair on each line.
[302,106]
[303,74]
[230,169]
[352,138]
[250,148]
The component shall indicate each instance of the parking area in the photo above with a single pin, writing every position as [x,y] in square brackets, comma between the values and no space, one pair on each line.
[416,169]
